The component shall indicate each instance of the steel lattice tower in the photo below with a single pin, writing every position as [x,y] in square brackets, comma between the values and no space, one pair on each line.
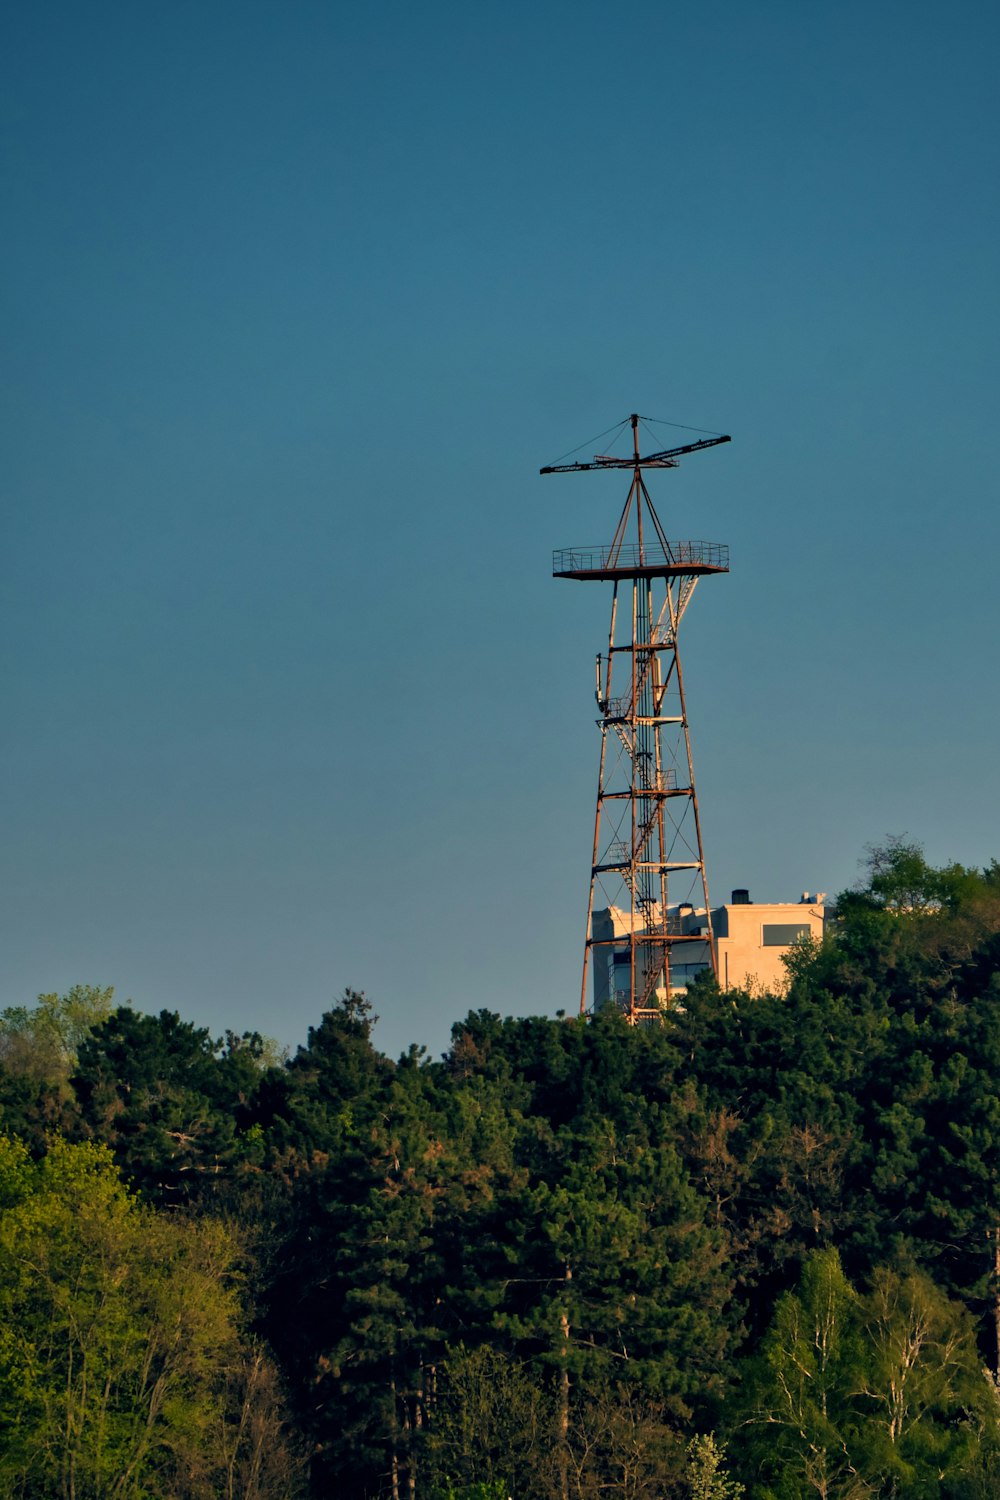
[647,830]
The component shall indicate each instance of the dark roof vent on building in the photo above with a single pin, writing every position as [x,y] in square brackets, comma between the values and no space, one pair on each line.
[741,897]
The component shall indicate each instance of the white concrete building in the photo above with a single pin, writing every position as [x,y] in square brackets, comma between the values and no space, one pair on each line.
[751,939]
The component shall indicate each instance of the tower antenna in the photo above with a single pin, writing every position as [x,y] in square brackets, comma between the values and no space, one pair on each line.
[647,829]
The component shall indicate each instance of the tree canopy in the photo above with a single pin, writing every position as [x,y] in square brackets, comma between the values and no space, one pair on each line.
[752,1250]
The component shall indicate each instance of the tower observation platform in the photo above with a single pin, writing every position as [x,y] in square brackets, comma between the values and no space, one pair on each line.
[672,560]
[647,829]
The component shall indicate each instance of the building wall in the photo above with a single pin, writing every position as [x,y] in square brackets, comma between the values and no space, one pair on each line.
[751,940]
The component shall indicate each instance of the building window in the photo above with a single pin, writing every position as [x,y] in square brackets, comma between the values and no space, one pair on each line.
[783,934]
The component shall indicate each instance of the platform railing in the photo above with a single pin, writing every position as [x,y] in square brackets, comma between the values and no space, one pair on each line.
[622,559]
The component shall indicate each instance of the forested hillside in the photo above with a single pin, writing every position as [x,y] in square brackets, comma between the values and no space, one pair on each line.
[755,1249]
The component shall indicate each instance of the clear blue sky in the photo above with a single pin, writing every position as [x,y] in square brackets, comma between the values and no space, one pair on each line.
[298,298]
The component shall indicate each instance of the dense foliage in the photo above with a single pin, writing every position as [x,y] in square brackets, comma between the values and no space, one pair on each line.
[754,1250]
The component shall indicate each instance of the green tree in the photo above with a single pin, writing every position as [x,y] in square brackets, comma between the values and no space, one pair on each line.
[774,1090]
[38,1048]
[176,1106]
[926,1411]
[119,1327]
[877,1394]
[490,1425]
[706,1476]
[797,1425]
[42,1042]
